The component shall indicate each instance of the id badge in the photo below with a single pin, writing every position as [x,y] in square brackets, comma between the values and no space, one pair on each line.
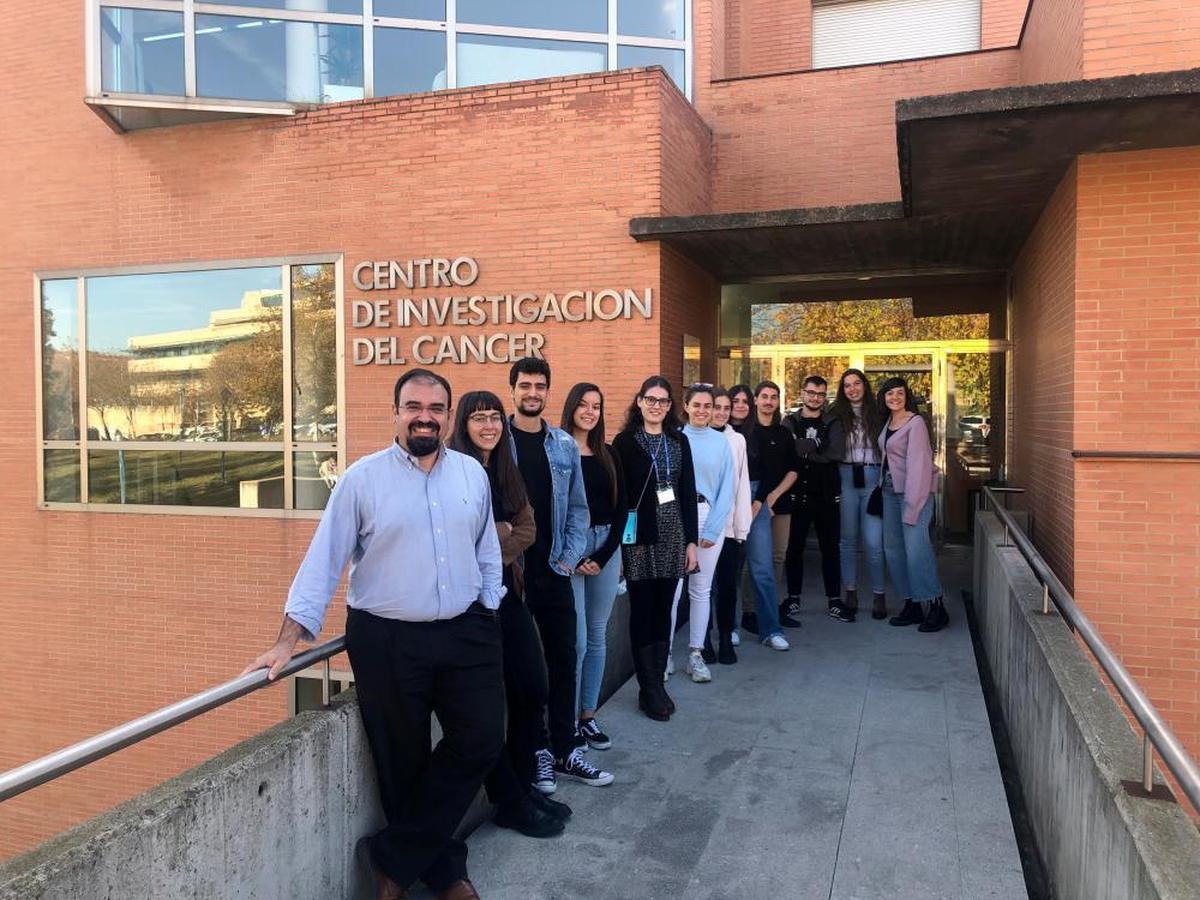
[666,495]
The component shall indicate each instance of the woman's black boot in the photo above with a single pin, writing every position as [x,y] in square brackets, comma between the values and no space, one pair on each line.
[911,614]
[936,619]
[725,653]
[650,701]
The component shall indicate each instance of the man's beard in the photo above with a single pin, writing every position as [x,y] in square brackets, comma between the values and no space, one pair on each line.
[538,406]
[424,444]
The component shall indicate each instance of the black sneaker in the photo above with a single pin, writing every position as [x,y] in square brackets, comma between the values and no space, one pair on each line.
[750,622]
[910,614]
[581,741]
[785,619]
[543,768]
[576,766]
[589,730]
[560,811]
[528,818]
[839,612]
[792,605]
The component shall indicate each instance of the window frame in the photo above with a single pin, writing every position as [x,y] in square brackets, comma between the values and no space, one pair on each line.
[288,446]
[368,21]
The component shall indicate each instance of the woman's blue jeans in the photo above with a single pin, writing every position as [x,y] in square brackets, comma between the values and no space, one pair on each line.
[855,522]
[911,561]
[760,560]
[594,596]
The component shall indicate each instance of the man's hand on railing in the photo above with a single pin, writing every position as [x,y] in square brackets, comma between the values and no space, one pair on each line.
[281,651]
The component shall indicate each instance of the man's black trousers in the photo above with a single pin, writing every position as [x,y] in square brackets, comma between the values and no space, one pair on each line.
[525,689]
[821,512]
[404,672]
[552,602]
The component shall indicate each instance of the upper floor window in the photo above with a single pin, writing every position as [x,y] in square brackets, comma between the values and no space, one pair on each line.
[321,51]
[198,388]
[857,32]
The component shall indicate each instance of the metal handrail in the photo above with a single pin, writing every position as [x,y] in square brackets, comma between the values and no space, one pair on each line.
[1156,733]
[23,778]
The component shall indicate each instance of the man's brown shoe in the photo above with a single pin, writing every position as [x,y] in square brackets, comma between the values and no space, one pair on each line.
[460,890]
[385,888]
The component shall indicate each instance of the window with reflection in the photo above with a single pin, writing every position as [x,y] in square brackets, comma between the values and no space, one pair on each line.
[314,51]
[671,60]
[184,401]
[484,58]
[574,15]
[272,59]
[141,51]
[433,10]
[652,18]
[408,61]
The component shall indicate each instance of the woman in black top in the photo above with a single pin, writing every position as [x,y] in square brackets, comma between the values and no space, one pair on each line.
[772,464]
[595,579]
[481,431]
[659,546]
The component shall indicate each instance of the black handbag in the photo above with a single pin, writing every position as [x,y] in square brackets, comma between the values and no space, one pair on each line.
[875,502]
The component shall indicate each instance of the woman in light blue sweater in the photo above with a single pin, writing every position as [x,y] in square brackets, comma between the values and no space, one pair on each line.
[712,460]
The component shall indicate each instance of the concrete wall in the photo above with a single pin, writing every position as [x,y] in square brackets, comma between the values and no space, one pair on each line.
[275,816]
[1073,747]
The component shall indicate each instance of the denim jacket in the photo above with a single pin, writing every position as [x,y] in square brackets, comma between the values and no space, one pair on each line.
[570,509]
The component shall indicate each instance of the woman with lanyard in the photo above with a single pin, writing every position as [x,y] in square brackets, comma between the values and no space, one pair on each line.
[771,456]
[859,470]
[909,479]
[596,576]
[713,463]
[481,431]
[659,539]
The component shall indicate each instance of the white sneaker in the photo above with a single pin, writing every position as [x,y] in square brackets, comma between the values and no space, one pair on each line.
[734,639]
[670,670]
[777,642]
[697,668]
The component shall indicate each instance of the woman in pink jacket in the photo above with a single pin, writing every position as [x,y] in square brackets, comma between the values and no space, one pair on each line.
[909,480]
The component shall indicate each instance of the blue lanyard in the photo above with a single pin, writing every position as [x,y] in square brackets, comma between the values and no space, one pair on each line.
[662,439]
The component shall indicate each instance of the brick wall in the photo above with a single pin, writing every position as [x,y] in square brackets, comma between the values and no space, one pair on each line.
[1137,524]
[111,615]
[1121,37]
[1053,45]
[1041,405]
[828,137]
[1001,22]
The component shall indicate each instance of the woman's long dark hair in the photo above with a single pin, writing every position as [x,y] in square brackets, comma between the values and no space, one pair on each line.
[507,485]
[747,423]
[633,416]
[843,410]
[595,437]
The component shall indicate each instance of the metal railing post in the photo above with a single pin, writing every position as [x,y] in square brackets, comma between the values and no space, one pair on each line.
[325,686]
[1045,600]
[1147,763]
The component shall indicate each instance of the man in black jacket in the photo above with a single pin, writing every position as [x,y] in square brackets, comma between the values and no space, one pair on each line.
[820,443]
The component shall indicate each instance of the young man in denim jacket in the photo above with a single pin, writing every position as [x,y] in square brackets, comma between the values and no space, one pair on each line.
[548,458]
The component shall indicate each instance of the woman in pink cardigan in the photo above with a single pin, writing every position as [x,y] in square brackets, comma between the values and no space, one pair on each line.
[909,479]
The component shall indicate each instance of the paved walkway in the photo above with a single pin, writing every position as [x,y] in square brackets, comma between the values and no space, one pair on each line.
[858,765]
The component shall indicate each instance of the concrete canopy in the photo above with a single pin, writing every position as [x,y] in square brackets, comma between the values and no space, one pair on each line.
[976,170]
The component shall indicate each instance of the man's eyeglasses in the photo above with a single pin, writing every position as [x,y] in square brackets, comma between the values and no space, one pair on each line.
[486,418]
[415,409]
[657,402]
[701,386]
[821,394]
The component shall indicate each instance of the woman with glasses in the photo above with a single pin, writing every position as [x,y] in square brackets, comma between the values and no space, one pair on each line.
[909,479]
[771,457]
[729,564]
[596,576]
[712,461]
[481,431]
[660,534]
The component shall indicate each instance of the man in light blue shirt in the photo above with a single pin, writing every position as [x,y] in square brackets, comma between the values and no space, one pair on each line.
[415,523]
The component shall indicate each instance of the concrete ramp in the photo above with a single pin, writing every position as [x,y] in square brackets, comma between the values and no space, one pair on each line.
[858,765]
